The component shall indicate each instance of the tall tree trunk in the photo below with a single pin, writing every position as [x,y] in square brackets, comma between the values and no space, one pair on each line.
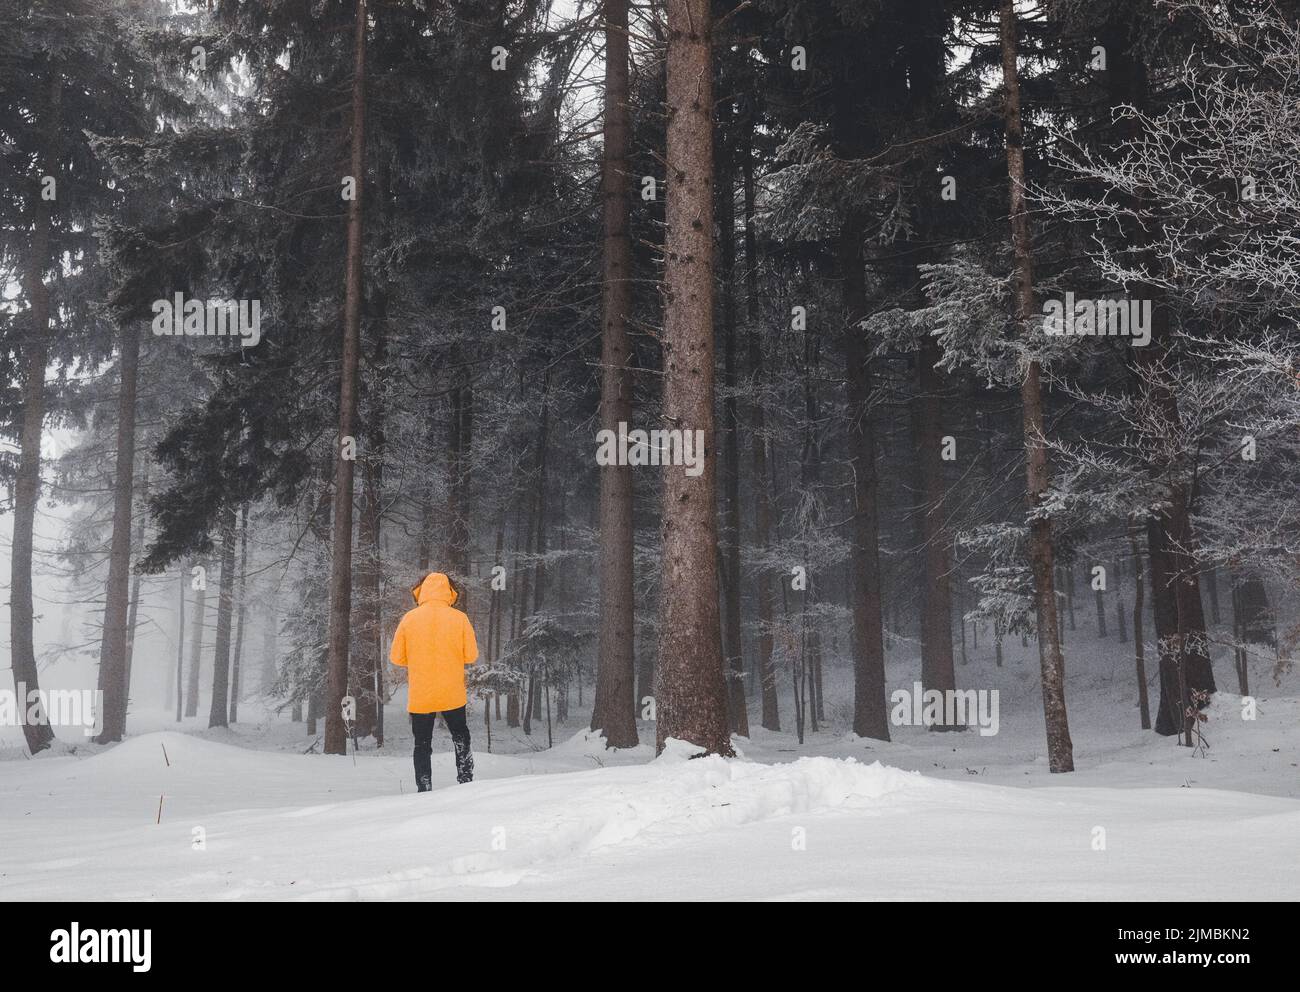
[758,453]
[537,683]
[340,588]
[1180,623]
[1139,646]
[218,714]
[1060,749]
[241,615]
[180,647]
[810,482]
[27,480]
[614,711]
[133,614]
[270,641]
[369,674]
[692,700]
[1239,632]
[936,540]
[112,651]
[1121,623]
[870,710]
[519,595]
[196,647]
[730,545]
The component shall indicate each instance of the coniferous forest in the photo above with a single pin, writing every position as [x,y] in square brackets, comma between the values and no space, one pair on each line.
[794,385]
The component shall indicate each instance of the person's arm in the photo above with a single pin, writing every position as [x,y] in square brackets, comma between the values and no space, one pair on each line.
[469,645]
[397,655]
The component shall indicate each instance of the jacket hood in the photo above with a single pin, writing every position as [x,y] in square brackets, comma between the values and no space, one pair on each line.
[436,588]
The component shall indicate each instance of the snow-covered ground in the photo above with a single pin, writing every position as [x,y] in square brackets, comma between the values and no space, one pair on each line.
[948,816]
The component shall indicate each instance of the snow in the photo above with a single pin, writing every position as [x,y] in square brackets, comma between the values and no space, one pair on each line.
[927,816]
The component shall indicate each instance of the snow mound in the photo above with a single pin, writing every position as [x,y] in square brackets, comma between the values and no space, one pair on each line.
[572,817]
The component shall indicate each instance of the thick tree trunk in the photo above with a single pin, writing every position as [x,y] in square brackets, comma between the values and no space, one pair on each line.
[218,714]
[1258,625]
[340,587]
[614,711]
[870,708]
[112,651]
[1060,750]
[1180,623]
[27,480]
[692,700]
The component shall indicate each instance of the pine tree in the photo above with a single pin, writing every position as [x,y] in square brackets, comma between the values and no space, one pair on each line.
[614,712]
[692,693]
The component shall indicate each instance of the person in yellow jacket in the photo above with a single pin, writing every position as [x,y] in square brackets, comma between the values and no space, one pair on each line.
[434,642]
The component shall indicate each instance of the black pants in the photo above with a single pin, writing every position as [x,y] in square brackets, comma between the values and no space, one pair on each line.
[422,727]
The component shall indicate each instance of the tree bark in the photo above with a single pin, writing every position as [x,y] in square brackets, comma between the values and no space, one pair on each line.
[133,614]
[937,670]
[196,650]
[340,589]
[870,709]
[27,480]
[112,651]
[218,713]
[369,673]
[1139,647]
[180,648]
[241,615]
[614,710]
[758,452]
[692,701]
[1060,749]
[730,545]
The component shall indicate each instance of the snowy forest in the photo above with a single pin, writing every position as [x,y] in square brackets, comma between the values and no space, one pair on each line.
[829,390]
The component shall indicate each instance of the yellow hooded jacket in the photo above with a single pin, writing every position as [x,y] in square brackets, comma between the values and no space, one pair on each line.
[434,643]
